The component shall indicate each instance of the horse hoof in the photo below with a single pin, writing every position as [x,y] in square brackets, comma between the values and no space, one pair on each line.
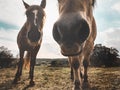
[77,85]
[32,83]
[86,85]
[77,88]
[15,81]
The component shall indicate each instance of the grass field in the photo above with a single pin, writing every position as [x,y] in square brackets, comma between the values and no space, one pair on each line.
[58,78]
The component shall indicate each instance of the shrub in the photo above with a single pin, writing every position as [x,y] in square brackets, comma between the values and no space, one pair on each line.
[104,56]
[6,57]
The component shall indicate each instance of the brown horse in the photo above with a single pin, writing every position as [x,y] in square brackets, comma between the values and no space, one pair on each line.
[75,32]
[30,37]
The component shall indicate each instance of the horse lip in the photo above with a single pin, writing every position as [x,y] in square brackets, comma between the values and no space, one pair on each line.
[72,54]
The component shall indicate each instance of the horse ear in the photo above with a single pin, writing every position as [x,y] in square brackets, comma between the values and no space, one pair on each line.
[58,1]
[93,2]
[25,4]
[43,3]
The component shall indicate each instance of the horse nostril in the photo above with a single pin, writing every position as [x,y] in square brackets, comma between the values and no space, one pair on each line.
[84,31]
[56,33]
[34,35]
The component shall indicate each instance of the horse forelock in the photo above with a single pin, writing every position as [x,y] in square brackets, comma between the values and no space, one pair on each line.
[76,5]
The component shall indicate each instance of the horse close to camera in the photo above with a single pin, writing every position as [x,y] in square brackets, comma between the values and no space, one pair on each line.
[30,37]
[75,32]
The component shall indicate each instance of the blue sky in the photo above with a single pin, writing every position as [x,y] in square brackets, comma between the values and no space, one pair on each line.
[12,17]
[107,14]
[7,26]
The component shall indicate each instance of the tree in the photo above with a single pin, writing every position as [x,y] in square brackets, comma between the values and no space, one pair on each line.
[104,56]
[6,57]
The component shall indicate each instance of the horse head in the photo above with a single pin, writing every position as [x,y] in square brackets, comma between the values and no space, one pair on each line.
[73,27]
[35,20]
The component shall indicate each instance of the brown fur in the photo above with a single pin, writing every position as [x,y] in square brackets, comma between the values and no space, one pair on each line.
[75,32]
[29,38]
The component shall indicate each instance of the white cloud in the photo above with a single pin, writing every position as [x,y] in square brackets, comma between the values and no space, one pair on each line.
[14,13]
[110,38]
[49,48]
[116,7]
[9,35]
[8,39]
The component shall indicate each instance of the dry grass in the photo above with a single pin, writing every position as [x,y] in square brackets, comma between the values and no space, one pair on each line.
[58,78]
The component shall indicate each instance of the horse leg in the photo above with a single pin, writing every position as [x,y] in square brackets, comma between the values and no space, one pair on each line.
[81,57]
[85,84]
[72,76]
[20,66]
[75,64]
[71,73]
[85,65]
[32,64]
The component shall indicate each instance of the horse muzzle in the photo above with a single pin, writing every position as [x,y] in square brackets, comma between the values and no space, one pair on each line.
[71,50]
[34,35]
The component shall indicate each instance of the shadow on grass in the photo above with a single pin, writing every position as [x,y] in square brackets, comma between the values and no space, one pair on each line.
[6,85]
[28,86]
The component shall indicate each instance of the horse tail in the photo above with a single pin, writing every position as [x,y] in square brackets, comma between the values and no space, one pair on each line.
[27,60]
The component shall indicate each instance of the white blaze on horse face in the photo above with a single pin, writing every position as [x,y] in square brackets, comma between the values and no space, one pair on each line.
[35,16]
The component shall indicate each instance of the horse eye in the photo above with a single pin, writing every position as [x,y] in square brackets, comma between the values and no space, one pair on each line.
[29,14]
